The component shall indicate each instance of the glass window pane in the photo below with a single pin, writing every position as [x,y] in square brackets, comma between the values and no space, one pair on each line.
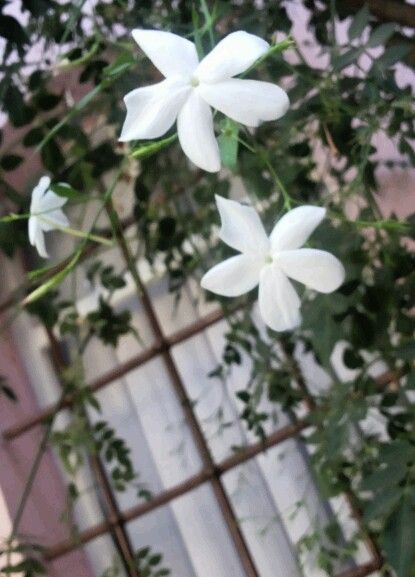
[192,536]
[143,409]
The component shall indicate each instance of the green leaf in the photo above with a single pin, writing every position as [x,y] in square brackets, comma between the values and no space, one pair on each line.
[52,282]
[382,505]
[19,113]
[167,227]
[410,383]
[10,162]
[385,478]
[65,190]
[228,143]
[406,147]
[37,7]
[121,64]
[148,149]
[33,137]
[244,396]
[393,55]
[11,30]
[6,390]
[48,100]
[347,58]
[320,313]
[80,105]
[142,553]
[381,35]
[359,22]
[362,330]
[405,351]
[29,567]
[155,559]
[399,537]
[352,359]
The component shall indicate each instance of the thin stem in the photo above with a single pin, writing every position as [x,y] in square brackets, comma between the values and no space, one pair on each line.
[125,249]
[43,446]
[148,149]
[274,49]
[263,155]
[278,181]
[85,235]
[35,468]
[208,22]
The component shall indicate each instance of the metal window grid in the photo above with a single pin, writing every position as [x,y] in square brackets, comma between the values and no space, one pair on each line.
[211,472]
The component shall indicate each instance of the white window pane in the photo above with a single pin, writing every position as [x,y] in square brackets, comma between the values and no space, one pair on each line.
[261,522]
[193,538]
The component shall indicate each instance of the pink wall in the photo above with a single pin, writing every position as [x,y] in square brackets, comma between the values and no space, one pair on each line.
[40,520]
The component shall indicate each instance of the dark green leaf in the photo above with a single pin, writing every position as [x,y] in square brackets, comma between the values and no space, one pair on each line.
[399,537]
[359,23]
[47,101]
[392,55]
[10,162]
[6,390]
[384,478]
[382,504]
[381,35]
[33,137]
[347,58]
[65,190]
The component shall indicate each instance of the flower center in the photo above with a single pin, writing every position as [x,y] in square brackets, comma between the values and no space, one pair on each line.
[269,259]
[194,81]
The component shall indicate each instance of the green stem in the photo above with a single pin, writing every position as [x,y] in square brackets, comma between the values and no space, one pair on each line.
[148,149]
[278,181]
[272,51]
[209,21]
[85,235]
[263,155]
[66,65]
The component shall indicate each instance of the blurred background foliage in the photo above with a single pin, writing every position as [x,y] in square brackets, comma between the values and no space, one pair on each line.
[65,70]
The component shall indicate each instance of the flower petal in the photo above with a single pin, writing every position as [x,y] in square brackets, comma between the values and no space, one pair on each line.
[53,220]
[38,192]
[52,201]
[152,110]
[246,101]
[317,269]
[233,277]
[233,55]
[279,303]
[294,228]
[196,134]
[33,226]
[40,243]
[171,54]
[242,228]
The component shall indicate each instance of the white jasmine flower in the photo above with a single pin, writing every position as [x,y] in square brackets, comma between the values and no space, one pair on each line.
[272,261]
[191,87]
[45,214]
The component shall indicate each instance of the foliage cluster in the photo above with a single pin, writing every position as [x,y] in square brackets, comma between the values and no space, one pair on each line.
[68,109]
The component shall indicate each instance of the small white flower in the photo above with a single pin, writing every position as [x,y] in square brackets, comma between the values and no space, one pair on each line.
[191,87]
[45,214]
[270,262]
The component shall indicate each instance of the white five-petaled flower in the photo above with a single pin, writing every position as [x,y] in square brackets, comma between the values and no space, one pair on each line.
[191,88]
[272,261]
[45,214]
